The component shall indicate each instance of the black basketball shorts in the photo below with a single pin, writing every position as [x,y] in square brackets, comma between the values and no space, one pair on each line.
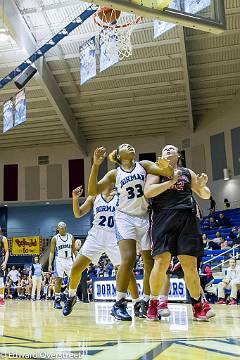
[176,231]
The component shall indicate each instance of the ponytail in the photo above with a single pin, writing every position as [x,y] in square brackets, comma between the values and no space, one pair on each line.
[113,157]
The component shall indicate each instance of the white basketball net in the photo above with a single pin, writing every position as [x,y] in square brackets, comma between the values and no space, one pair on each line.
[117,34]
[122,37]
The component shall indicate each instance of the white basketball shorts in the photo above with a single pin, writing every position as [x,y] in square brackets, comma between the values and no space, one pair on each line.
[61,266]
[99,241]
[130,227]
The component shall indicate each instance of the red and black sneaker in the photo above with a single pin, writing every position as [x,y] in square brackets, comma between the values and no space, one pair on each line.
[199,314]
[208,309]
[152,313]
[163,310]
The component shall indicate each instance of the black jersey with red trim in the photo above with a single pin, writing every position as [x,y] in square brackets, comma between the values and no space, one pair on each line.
[178,196]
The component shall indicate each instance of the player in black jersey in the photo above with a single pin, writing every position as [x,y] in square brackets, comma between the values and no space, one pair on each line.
[175,229]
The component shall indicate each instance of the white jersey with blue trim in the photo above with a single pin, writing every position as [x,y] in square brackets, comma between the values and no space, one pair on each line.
[130,186]
[64,246]
[104,212]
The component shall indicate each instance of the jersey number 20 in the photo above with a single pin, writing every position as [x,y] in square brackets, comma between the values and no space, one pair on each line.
[110,221]
[137,191]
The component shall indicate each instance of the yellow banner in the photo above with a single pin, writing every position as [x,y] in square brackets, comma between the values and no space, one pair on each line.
[28,245]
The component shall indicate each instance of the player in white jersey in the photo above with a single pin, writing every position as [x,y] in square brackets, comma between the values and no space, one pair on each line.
[132,223]
[62,246]
[101,238]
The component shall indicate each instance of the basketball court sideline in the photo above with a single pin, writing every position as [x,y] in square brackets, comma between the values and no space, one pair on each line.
[90,332]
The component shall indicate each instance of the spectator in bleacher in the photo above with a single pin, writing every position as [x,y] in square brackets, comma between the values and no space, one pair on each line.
[45,284]
[14,275]
[233,233]
[36,275]
[205,241]
[227,204]
[237,242]
[51,288]
[90,289]
[25,271]
[10,288]
[223,221]
[209,223]
[212,205]
[231,282]
[215,244]
[206,277]
[224,244]
[24,290]
[213,224]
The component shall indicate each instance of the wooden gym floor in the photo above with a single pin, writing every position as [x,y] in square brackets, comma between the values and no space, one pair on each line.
[35,330]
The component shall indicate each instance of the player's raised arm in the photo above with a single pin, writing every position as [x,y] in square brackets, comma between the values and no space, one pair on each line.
[153,188]
[199,185]
[51,255]
[161,168]
[82,210]
[96,187]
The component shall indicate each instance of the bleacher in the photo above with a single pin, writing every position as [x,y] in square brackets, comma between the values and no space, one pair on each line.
[234,216]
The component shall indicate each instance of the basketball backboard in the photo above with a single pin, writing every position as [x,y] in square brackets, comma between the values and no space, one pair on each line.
[205,15]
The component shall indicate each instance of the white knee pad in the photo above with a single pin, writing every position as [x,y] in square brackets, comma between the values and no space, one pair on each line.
[1,283]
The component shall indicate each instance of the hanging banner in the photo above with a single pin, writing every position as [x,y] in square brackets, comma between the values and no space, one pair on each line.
[88,67]
[108,49]
[74,24]
[28,245]
[8,110]
[161,27]
[20,108]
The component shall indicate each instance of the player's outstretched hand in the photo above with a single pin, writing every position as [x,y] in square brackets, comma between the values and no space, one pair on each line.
[76,193]
[162,163]
[202,180]
[99,155]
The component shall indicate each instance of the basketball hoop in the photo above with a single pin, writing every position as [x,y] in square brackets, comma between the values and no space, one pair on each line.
[116,27]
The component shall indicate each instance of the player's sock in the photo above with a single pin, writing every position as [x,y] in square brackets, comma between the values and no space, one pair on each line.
[163,298]
[120,295]
[57,296]
[195,301]
[146,297]
[152,297]
[134,301]
[72,292]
